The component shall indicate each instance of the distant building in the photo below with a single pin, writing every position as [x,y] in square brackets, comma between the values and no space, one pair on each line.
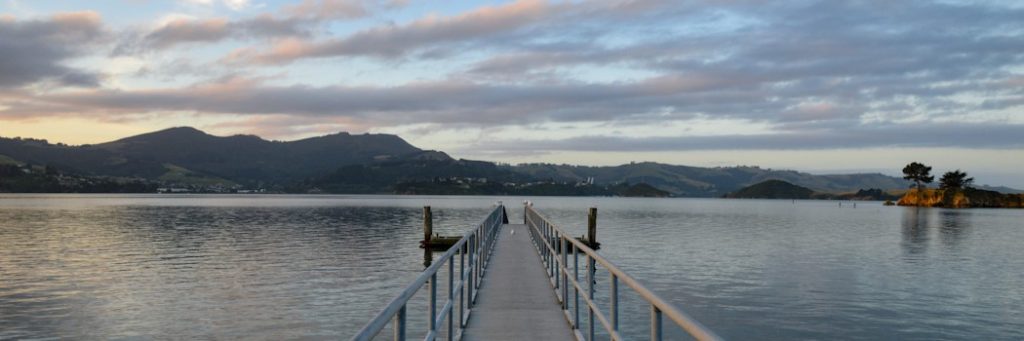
[172,190]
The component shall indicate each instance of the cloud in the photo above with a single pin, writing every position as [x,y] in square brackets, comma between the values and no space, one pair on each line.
[465,102]
[236,5]
[297,21]
[401,39]
[929,135]
[328,9]
[36,50]
[189,30]
[819,73]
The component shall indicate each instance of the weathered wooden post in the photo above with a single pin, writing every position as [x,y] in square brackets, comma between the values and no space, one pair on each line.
[428,232]
[428,226]
[592,227]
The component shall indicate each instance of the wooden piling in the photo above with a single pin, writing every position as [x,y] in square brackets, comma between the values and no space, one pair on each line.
[592,227]
[428,232]
[428,225]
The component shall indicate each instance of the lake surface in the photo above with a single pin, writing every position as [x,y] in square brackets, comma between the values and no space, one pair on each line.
[319,267]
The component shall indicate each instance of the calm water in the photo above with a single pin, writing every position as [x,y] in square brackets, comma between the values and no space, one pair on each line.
[318,267]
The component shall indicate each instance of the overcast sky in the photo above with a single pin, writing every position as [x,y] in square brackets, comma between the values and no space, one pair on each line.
[821,86]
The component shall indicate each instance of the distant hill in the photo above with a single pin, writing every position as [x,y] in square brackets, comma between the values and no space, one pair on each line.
[773,189]
[422,175]
[25,178]
[185,157]
[708,182]
[241,158]
[641,190]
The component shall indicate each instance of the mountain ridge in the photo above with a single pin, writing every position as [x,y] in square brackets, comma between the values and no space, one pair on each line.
[243,158]
[377,163]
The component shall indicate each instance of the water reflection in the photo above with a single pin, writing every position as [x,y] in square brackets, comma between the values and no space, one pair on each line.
[915,230]
[954,226]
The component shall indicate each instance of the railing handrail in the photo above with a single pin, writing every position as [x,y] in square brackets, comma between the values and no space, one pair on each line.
[659,305]
[483,235]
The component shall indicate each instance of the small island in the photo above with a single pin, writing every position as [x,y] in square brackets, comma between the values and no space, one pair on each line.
[778,189]
[961,198]
[772,189]
[954,191]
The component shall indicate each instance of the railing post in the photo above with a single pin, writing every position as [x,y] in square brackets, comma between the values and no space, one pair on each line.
[526,214]
[451,299]
[543,235]
[576,290]
[655,323]
[481,257]
[433,302]
[564,272]
[472,260]
[555,256]
[400,324]
[590,294]
[554,260]
[614,298]
[462,285]
[481,254]
[547,243]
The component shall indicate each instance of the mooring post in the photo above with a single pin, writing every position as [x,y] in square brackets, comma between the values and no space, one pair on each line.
[428,225]
[428,232]
[592,227]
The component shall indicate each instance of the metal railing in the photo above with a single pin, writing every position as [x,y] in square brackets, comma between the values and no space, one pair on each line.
[476,245]
[555,246]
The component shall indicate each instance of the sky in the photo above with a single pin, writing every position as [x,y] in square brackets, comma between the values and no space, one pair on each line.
[819,86]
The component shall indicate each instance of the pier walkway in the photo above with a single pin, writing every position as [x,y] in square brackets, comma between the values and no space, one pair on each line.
[515,300]
[539,285]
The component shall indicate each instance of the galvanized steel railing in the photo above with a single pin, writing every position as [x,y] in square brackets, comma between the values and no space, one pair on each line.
[554,246]
[477,245]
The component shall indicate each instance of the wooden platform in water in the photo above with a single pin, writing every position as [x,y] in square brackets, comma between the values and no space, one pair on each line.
[516,301]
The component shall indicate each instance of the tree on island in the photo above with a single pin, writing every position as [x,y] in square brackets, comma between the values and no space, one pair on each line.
[919,174]
[955,180]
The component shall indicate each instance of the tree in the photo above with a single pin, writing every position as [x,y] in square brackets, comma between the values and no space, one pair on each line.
[955,180]
[919,174]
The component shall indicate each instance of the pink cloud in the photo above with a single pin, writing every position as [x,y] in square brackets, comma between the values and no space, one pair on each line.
[398,40]
[189,30]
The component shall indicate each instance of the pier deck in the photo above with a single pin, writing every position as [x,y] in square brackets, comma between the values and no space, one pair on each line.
[515,300]
[502,293]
